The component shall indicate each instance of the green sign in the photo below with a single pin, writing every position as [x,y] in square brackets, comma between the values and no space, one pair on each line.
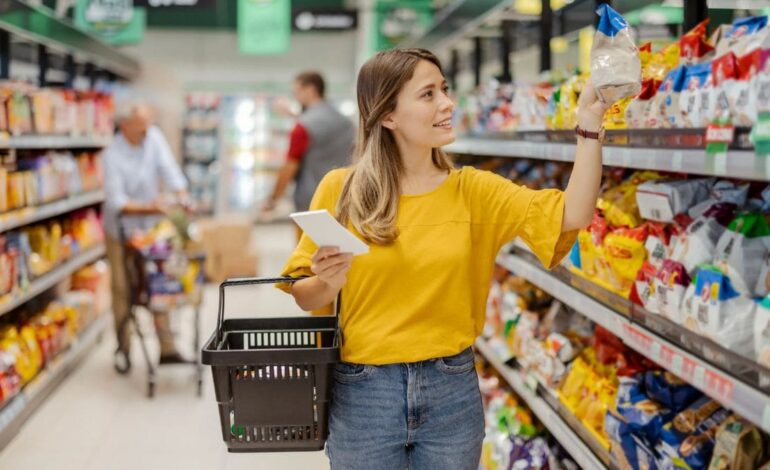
[115,21]
[264,26]
[399,20]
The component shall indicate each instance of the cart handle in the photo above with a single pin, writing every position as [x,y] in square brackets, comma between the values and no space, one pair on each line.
[246,281]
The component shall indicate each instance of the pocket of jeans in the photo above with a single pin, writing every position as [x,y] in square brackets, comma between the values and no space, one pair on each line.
[457,364]
[346,372]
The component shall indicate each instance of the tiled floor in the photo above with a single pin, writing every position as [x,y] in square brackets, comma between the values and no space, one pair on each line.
[97,420]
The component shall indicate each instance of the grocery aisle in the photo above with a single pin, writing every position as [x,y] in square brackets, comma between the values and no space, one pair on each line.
[98,420]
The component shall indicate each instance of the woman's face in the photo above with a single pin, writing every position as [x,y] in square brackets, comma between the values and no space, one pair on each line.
[423,114]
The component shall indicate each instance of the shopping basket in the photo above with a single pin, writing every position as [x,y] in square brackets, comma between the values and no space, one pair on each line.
[272,377]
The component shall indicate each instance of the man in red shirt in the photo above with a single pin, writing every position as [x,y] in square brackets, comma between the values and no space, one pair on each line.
[321,141]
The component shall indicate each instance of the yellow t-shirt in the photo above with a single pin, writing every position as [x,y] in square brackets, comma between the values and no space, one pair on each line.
[424,296]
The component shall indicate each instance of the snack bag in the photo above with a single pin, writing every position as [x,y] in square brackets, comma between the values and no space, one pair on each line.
[697,243]
[616,69]
[670,284]
[687,442]
[724,70]
[722,191]
[742,253]
[762,83]
[625,253]
[664,109]
[694,45]
[695,91]
[643,291]
[669,390]
[662,200]
[744,35]
[662,62]
[741,94]
[639,108]
[738,446]
[762,332]
[645,417]
[590,242]
[719,312]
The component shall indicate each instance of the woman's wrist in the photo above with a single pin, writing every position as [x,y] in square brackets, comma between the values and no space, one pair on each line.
[590,122]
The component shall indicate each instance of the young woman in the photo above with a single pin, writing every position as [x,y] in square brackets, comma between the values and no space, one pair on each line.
[406,394]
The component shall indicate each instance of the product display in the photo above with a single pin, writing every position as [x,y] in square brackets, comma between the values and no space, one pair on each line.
[200,149]
[51,111]
[35,336]
[36,180]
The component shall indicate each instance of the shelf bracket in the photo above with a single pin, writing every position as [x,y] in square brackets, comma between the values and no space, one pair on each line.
[42,61]
[5,55]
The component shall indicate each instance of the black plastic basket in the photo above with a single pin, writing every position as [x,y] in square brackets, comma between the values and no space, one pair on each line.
[272,377]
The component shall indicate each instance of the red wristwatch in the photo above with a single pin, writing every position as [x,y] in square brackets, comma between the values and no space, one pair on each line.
[591,135]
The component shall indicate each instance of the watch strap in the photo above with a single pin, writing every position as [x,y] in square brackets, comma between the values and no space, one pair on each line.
[587,134]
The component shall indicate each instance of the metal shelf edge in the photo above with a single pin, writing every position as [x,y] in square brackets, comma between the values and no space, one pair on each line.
[51,278]
[19,408]
[52,142]
[732,393]
[734,164]
[563,433]
[52,209]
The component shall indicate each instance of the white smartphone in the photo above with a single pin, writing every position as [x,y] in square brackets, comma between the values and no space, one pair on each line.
[324,230]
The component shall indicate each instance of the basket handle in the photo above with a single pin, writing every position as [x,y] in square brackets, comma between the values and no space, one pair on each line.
[246,281]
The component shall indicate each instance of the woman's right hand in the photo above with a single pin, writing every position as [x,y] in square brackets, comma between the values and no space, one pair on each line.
[331,267]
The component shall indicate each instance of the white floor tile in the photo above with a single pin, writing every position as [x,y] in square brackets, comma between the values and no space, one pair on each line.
[98,420]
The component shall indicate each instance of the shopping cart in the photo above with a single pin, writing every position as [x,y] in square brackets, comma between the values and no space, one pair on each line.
[272,377]
[165,280]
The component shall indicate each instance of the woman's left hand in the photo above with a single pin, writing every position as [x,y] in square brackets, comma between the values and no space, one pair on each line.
[590,109]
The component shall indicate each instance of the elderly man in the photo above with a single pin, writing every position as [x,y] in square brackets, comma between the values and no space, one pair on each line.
[138,165]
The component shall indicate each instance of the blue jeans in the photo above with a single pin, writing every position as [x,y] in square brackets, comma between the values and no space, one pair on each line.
[422,416]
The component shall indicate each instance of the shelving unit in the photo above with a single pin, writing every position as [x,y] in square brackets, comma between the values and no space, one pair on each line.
[16,411]
[50,279]
[20,217]
[751,401]
[566,435]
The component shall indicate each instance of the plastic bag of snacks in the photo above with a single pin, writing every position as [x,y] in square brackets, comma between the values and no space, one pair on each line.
[741,95]
[694,45]
[653,74]
[662,200]
[688,440]
[615,65]
[645,417]
[670,285]
[762,332]
[719,312]
[669,390]
[643,292]
[696,245]
[738,446]
[722,191]
[697,86]
[742,253]
[625,253]
[744,35]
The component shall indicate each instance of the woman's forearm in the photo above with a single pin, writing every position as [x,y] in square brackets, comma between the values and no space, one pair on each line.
[583,188]
[313,294]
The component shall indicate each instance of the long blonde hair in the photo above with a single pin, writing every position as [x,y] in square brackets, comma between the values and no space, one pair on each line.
[370,195]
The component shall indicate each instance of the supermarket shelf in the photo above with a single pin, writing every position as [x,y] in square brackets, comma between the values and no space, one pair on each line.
[39,25]
[16,412]
[567,437]
[20,217]
[747,400]
[52,278]
[734,163]
[54,142]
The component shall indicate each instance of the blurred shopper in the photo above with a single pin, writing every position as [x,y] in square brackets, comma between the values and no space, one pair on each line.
[138,165]
[321,141]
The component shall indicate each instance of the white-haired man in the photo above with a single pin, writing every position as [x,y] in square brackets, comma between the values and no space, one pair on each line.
[138,168]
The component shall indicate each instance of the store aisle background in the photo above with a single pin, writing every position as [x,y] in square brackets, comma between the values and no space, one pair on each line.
[98,420]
